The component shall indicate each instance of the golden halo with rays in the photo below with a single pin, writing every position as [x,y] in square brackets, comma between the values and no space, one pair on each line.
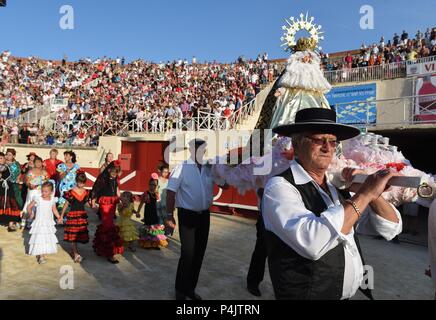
[293,26]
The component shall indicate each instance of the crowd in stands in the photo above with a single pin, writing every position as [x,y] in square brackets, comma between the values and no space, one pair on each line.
[155,96]
[105,95]
[400,48]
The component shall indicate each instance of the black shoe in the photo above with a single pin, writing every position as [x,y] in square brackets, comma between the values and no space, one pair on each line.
[193,296]
[180,296]
[254,290]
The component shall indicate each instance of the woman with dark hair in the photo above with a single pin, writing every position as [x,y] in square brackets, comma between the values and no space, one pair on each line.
[107,241]
[29,164]
[9,210]
[107,160]
[25,168]
[15,169]
[67,175]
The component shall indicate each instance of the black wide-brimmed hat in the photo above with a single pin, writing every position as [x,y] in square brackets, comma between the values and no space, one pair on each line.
[317,120]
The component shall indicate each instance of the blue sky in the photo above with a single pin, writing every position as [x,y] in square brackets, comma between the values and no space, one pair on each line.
[210,30]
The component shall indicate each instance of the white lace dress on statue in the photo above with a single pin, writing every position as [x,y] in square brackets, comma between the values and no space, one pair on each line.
[302,86]
[43,238]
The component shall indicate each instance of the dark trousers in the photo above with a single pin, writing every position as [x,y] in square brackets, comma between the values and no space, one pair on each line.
[256,271]
[194,233]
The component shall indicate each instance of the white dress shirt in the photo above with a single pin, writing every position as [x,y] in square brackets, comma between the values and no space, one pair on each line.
[310,236]
[194,190]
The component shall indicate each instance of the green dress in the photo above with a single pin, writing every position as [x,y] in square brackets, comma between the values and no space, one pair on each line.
[15,173]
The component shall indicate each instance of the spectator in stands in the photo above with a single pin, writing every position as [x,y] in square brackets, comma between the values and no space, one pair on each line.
[396,40]
[24,135]
[405,37]
[50,139]
[14,133]
[348,60]
[427,34]
[227,113]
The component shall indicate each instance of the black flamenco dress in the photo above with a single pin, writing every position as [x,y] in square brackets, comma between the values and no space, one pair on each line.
[76,227]
[152,233]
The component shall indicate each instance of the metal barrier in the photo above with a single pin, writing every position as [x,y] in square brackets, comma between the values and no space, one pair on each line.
[422,60]
[204,121]
[380,72]
[32,116]
[38,112]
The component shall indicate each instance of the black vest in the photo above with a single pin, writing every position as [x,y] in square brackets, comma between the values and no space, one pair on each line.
[295,277]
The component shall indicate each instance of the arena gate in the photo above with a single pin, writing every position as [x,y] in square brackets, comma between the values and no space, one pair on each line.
[139,160]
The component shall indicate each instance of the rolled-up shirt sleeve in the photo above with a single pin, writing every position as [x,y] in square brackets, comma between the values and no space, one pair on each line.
[374,225]
[175,179]
[286,216]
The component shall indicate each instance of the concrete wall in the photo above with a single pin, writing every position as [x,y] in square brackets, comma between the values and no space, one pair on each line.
[398,110]
[86,157]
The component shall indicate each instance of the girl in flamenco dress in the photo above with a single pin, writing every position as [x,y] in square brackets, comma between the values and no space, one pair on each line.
[153,232]
[105,193]
[128,231]
[43,240]
[76,228]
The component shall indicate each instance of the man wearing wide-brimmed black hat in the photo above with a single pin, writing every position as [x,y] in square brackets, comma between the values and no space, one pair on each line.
[313,251]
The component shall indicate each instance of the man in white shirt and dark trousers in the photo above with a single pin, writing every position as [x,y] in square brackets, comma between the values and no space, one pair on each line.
[190,189]
[313,251]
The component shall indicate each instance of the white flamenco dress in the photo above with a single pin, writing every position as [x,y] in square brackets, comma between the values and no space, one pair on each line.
[302,86]
[43,238]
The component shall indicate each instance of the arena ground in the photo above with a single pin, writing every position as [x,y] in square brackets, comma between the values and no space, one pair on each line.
[399,269]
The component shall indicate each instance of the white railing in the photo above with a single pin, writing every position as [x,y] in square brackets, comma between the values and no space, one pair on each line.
[379,72]
[395,112]
[204,121]
[58,103]
[422,60]
[38,112]
[33,115]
